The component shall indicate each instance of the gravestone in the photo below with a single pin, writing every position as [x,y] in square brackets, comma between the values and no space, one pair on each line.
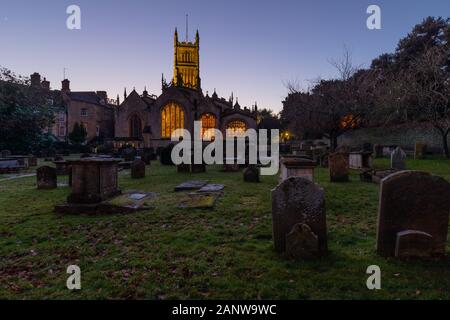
[398,159]
[46,178]
[338,165]
[413,215]
[183,168]
[191,185]
[251,174]
[294,166]
[5,153]
[378,150]
[212,188]
[198,168]
[297,202]
[420,150]
[138,169]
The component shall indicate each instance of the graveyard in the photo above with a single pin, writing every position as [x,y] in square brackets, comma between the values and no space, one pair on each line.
[168,250]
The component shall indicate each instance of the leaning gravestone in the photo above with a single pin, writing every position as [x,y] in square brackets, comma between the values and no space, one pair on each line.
[398,159]
[46,178]
[339,168]
[138,169]
[413,215]
[299,221]
[251,174]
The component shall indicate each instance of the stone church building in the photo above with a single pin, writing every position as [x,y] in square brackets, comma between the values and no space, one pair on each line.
[145,120]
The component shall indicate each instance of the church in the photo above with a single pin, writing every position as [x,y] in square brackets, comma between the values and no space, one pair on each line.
[148,121]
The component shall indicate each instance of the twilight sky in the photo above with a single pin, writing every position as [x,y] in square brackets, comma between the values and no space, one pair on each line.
[249,47]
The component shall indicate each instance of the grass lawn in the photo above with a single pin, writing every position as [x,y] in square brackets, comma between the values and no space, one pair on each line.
[167,253]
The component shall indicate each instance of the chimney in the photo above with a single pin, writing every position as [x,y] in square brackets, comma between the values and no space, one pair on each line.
[45,84]
[35,80]
[65,87]
[103,96]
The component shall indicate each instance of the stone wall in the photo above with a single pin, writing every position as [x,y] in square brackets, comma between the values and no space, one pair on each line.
[405,136]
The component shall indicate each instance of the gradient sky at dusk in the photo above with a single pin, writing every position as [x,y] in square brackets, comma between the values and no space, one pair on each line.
[249,47]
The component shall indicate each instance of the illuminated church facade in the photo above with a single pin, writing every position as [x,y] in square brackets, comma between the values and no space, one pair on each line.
[145,120]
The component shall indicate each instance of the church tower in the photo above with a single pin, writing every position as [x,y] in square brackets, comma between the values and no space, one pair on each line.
[186,71]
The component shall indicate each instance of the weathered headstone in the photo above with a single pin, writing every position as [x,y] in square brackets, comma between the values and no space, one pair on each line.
[413,207]
[338,165]
[420,150]
[297,202]
[398,159]
[46,178]
[251,174]
[138,169]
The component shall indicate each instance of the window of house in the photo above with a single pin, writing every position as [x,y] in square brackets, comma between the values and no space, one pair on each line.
[97,131]
[172,118]
[208,123]
[84,112]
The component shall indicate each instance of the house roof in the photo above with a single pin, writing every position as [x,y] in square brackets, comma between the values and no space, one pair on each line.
[85,96]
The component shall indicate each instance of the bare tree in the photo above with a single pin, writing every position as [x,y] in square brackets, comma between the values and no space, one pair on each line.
[428,83]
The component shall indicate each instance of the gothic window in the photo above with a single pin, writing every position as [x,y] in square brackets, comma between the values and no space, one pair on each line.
[135,127]
[172,118]
[208,122]
[236,127]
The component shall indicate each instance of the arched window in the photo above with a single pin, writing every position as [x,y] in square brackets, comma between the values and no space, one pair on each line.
[172,118]
[237,127]
[208,122]
[135,127]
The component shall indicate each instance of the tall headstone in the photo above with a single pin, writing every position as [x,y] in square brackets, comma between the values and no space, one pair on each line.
[138,169]
[398,159]
[46,178]
[413,215]
[299,220]
[338,164]
[251,174]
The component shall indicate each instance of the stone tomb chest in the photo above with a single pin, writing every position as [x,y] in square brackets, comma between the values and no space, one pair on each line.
[93,180]
[360,160]
[294,166]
